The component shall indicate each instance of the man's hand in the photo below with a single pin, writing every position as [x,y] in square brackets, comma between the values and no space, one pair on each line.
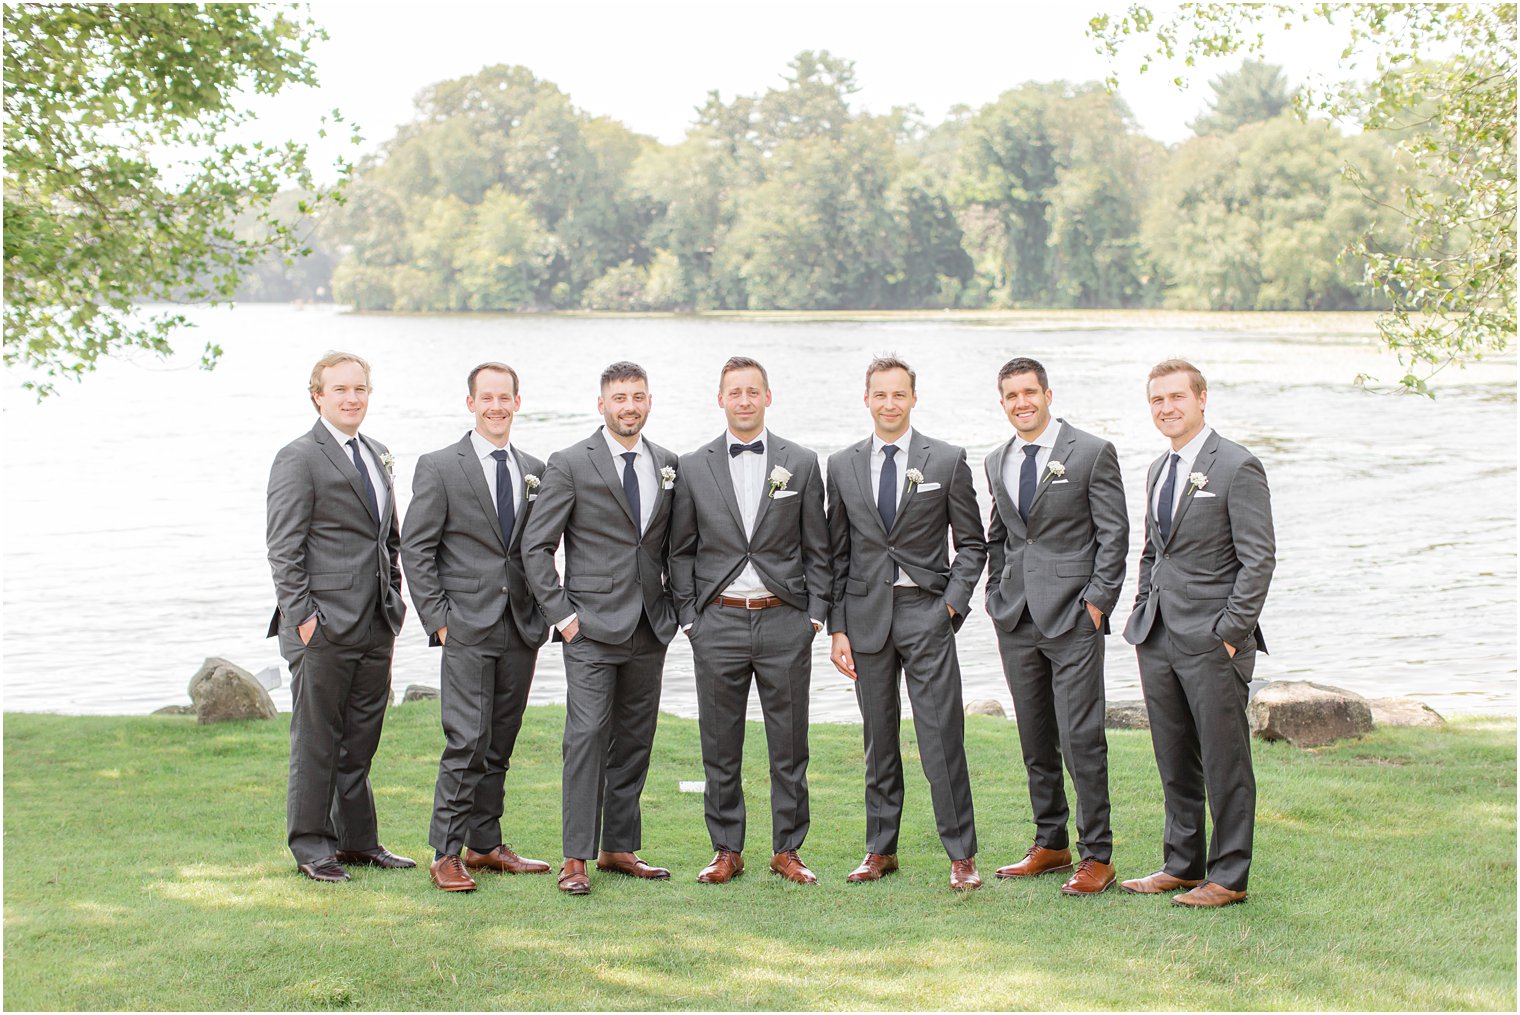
[951,609]
[840,655]
[307,629]
[571,630]
[443,635]
[1230,649]
[816,626]
[1096,615]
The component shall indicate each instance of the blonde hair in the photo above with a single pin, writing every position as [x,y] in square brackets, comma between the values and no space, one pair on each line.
[332,359]
[1178,366]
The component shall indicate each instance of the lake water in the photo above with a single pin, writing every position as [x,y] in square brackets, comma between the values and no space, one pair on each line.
[134,502]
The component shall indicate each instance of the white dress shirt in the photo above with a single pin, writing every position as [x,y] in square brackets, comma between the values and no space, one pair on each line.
[643,468]
[900,460]
[1188,454]
[483,450]
[376,470]
[747,470]
[1013,460]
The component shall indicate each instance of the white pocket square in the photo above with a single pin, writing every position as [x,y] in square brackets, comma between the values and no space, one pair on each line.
[1058,482]
[779,494]
[1205,493]
[926,487]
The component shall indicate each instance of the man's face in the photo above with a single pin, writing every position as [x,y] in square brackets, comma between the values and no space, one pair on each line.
[625,406]
[743,399]
[344,398]
[1176,409]
[494,404]
[1026,403]
[890,399]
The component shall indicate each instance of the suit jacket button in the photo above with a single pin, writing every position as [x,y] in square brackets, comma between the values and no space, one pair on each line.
[1029,541]
[506,590]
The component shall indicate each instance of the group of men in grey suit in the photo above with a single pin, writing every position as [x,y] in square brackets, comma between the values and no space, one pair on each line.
[750,548]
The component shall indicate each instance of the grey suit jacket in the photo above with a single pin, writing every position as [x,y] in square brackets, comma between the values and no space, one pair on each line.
[460,575]
[1073,547]
[863,551]
[612,573]
[790,545]
[329,554]
[1209,579]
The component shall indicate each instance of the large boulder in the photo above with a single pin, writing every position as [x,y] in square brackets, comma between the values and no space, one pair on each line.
[419,692]
[224,691]
[175,710]
[1126,715]
[986,706]
[1403,712]
[1307,714]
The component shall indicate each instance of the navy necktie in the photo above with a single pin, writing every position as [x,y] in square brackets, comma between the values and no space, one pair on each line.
[631,489]
[735,450]
[506,509]
[1168,492]
[369,485]
[1027,480]
[886,492]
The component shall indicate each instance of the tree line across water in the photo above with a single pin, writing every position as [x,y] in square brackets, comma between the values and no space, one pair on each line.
[502,195]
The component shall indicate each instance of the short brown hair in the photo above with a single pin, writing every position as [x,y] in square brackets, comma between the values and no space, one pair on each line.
[516,388]
[332,359]
[743,363]
[889,361]
[623,370]
[1178,366]
[1023,365]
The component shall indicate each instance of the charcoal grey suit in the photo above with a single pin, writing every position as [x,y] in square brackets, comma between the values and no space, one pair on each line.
[901,631]
[789,549]
[1040,574]
[1203,586]
[615,584]
[333,558]
[464,578]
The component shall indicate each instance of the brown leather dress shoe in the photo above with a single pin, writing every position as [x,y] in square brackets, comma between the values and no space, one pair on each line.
[324,868]
[1208,896]
[573,879]
[449,874]
[381,857]
[503,859]
[790,866]
[873,868]
[631,865]
[963,875]
[1155,884]
[1093,877]
[1037,861]
[726,865]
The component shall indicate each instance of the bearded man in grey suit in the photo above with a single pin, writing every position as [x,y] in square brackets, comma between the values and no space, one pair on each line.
[333,542]
[1208,561]
[609,497]
[897,603]
[1056,546]
[462,547]
[749,567]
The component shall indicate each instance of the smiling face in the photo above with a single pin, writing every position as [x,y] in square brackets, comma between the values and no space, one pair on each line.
[890,398]
[494,403]
[1026,404]
[1176,409]
[625,406]
[344,397]
[743,398]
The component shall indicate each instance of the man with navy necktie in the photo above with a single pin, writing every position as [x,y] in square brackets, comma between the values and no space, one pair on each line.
[895,501]
[333,542]
[609,498]
[1208,561]
[461,547]
[1057,541]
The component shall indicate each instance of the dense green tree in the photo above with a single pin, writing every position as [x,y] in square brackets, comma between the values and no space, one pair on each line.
[1255,93]
[103,210]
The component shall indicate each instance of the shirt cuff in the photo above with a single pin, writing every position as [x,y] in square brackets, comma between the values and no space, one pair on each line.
[561,625]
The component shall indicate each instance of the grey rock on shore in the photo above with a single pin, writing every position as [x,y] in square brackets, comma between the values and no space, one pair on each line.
[986,706]
[1307,714]
[1126,715]
[1403,712]
[223,692]
[420,692]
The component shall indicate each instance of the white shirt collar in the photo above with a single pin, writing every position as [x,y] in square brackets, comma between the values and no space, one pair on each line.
[618,450]
[483,447]
[342,437]
[1047,439]
[1189,451]
[762,435]
[902,443]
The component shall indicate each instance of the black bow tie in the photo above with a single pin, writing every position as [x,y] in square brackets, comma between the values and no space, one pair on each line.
[735,450]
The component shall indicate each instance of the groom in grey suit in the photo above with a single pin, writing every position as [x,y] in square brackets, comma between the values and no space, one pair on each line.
[898,601]
[609,497]
[749,567]
[1056,546]
[333,541]
[1208,561]
[462,547]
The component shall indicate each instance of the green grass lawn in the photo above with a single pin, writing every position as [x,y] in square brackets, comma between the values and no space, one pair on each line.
[145,867]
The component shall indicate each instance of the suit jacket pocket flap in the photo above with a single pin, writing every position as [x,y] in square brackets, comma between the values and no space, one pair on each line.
[589,583]
[1210,590]
[854,587]
[1074,568]
[329,582]
[460,583]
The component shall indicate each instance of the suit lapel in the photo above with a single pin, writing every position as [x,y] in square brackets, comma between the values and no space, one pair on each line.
[520,518]
[717,463]
[1203,463]
[918,458]
[1004,503]
[774,456]
[338,455]
[601,457]
[1151,479]
[476,478]
[660,493]
[863,453]
[1065,444]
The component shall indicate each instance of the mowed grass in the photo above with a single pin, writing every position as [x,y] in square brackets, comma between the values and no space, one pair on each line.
[145,868]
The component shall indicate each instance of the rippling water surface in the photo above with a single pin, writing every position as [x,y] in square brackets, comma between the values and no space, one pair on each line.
[134,502]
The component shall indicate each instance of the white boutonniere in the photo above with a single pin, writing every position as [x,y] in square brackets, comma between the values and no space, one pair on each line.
[668,478]
[389,461]
[531,484]
[779,478]
[1056,469]
[914,477]
[1197,481]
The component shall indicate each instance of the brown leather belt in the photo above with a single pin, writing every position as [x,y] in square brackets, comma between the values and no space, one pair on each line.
[738,603]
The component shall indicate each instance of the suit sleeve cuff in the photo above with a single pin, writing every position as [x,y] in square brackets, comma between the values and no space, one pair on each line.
[560,625]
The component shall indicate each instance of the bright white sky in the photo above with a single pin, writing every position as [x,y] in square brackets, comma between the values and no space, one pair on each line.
[649,62]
